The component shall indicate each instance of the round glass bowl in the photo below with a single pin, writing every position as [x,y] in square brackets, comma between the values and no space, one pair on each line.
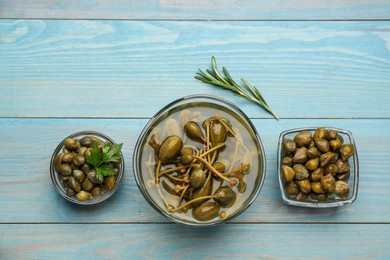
[171,119]
[332,201]
[58,183]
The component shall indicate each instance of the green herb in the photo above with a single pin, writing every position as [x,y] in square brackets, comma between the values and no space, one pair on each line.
[99,159]
[215,78]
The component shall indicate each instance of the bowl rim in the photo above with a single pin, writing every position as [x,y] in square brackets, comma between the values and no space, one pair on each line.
[312,204]
[153,119]
[55,180]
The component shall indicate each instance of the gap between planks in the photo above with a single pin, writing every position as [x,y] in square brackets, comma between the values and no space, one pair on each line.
[172,223]
[202,19]
[147,118]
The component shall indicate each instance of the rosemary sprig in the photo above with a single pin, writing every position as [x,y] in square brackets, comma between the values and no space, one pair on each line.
[215,78]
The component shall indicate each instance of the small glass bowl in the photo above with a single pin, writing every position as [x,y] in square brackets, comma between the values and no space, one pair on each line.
[207,106]
[58,183]
[353,180]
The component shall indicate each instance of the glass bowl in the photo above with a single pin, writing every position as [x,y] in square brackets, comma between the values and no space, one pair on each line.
[198,108]
[58,182]
[332,201]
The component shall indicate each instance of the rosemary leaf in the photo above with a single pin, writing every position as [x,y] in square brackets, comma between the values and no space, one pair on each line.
[248,91]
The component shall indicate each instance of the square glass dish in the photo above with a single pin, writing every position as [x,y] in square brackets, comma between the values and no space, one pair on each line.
[326,199]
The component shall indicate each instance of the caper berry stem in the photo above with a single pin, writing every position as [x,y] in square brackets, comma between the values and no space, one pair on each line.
[212,149]
[219,119]
[175,178]
[207,124]
[183,193]
[211,168]
[176,169]
[158,167]
[192,201]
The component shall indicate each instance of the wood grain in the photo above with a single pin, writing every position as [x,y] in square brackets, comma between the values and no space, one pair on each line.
[170,241]
[202,9]
[305,70]
[27,145]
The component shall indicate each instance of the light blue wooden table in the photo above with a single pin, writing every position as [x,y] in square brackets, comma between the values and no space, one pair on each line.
[109,66]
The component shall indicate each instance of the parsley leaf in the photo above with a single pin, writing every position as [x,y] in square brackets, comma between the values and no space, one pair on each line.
[99,159]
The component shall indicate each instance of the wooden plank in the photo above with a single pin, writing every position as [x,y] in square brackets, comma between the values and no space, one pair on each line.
[305,70]
[27,145]
[204,9]
[168,241]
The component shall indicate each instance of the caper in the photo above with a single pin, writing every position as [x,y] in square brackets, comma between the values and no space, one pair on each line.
[78,159]
[300,172]
[313,152]
[346,151]
[331,135]
[331,169]
[219,166]
[301,196]
[241,187]
[327,182]
[205,212]
[311,144]
[67,158]
[58,162]
[288,173]
[292,189]
[300,155]
[96,140]
[335,145]
[205,190]
[322,145]
[341,187]
[96,191]
[197,178]
[70,144]
[86,141]
[87,152]
[218,133]
[109,182]
[65,169]
[303,138]
[328,157]
[343,167]
[86,168]
[287,160]
[70,192]
[74,184]
[312,164]
[228,124]
[83,195]
[321,197]
[343,176]
[289,146]
[304,185]
[317,187]
[320,133]
[193,131]
[186,151]
[317,174]
[224,196]
[186,159]
[78,175]
[81,150]
[92,177]
[87,185]
[170,149]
